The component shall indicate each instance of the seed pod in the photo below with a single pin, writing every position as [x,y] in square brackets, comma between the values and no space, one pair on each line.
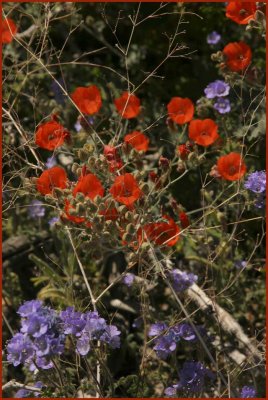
[75,166]
[127,237]
[80,197]
[131,228]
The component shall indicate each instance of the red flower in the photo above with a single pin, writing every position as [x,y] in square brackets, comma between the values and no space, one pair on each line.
[166,233]
[114,160]
[203,132]
[231,167]
[90,186]
[51,178]
[241,12]
[238,56]
[183,151]
[87,99]
[184,219]
[128,105]
[50,135]
[137,140]
[125,189]
[180,110]
[9,29]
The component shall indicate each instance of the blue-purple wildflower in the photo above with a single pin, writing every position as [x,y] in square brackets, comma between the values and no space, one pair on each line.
[181,280]
[248,392]
[217,88]
[36,209]
[222,105]
[192,378]
[256,182]
[213,37]
[51,162]
[128,279]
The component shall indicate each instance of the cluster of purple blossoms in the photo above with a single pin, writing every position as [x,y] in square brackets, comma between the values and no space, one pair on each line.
[192,378]
[36,209]
[40,337]
[43,333]
[87,327]
[248,392]
[181,280]
[167,338]
[218,90]
[213,37]
[256,183]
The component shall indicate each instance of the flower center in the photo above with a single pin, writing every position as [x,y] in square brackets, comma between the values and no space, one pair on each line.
[232,170]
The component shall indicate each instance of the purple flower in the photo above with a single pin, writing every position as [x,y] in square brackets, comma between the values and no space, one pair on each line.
[94,324]
[256,182]
[128,279]
[35,325]
[165,345]
[248,392]
[20,349]
[73,322]
[217,89]
[82,345]
[171,391]
[28,393]
[157,329]
[29,307]
[239,264]
[36,209]
[137,323]
[260,201]
[53,221]
[192,376]
[44,362]
[51,162]
[223,106]
[111,336]
[77,126]
[185,331]
[182,280]
[213,37]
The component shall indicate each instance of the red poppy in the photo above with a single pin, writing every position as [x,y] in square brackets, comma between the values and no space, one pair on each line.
[183,151]
[166,233]
[128,105]
[9,29]
[90,186]
[51,178]
[113,158]
[125,189]
[203,131]
[241,12]
[238,56]
[137,140]
[231,167]
[50,135]
[184,220]
[87,99]
[180,110]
